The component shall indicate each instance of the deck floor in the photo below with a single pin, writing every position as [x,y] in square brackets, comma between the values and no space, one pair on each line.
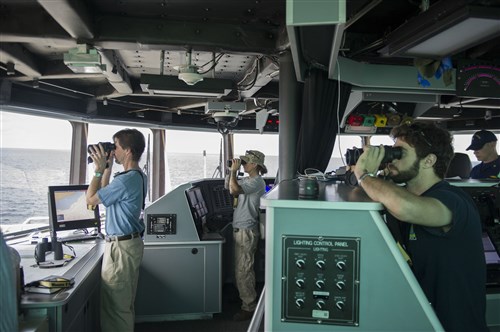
[221,322]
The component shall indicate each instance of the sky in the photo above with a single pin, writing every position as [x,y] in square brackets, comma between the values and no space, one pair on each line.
[24,131]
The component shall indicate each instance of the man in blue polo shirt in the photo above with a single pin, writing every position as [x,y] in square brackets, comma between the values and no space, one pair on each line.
[124,199]
[484,145]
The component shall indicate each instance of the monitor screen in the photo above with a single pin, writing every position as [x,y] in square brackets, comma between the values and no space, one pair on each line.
[490,252]
[197,203]
[68,209]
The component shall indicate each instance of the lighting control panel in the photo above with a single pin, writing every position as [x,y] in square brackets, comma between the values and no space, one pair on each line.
[320,280]
[161,225]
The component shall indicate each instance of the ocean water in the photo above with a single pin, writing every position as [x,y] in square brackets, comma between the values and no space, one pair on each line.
[25,175]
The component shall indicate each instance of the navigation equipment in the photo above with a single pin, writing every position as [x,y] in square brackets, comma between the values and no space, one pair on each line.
[68,209]
[198,207]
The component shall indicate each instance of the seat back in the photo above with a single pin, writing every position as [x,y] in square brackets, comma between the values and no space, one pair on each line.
[460,166]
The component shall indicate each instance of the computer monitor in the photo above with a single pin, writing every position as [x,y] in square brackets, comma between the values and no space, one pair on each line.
[196,202]
[490,251]
[68,209]
[198,207]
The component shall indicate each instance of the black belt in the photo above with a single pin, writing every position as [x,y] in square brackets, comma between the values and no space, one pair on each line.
[122,237]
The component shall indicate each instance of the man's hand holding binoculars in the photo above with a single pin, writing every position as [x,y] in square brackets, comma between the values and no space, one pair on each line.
[100,157]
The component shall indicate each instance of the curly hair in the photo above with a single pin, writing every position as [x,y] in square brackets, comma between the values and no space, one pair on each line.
[427,138]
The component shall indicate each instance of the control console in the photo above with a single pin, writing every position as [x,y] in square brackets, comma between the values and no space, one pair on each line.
[320,280]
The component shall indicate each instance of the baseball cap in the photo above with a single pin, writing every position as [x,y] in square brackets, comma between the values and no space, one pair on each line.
[256,157]
[480,138]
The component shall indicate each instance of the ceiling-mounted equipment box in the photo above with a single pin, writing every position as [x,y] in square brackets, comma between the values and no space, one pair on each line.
[315,27]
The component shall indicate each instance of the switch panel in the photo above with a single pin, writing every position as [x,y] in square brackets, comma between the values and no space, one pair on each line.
[161,224]
[320,280]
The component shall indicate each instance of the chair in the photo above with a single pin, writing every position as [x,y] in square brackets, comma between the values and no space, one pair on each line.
[460,166]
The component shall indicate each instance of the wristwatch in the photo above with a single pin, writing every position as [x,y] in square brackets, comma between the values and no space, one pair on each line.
[364,175]
[98,174]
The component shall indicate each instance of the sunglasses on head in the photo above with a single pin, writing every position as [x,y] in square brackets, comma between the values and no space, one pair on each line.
[417,129]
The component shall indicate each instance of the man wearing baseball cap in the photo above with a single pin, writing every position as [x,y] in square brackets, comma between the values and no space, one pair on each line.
[248,190]
[484,145]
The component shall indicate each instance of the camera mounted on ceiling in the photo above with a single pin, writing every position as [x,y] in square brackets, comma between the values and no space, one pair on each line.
[225,114]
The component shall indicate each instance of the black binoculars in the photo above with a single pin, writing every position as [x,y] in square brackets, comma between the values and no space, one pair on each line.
[108,147]
[229,163]
[391,153]
[45,246]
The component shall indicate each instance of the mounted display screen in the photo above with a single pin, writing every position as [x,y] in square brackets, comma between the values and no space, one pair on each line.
[478,79]
[197,203]
[68,209]
[198,208]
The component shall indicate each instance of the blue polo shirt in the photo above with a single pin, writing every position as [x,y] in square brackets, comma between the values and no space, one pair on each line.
[123,199]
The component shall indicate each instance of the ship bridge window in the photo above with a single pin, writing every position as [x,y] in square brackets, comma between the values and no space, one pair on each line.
[35,154]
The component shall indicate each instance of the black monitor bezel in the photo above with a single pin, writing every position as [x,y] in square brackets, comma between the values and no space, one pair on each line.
[55,225]
[199,207]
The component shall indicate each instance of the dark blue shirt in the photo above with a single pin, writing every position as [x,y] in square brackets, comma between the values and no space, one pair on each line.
[486,170]
[450,266]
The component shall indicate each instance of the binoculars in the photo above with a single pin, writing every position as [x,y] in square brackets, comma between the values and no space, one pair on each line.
[46,246]
[229,163]
[108,147]
[391,153]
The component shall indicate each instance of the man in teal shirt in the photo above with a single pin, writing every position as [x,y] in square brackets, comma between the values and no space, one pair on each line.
[124,200]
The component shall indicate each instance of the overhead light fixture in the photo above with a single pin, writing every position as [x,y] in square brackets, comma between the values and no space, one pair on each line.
[83,59]
[443,31]
[172,86]
[189,72]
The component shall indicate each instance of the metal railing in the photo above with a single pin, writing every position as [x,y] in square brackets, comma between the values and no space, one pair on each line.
[258,314]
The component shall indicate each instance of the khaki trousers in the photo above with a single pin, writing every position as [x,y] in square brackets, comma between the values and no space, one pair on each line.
[245,246]
[119,277]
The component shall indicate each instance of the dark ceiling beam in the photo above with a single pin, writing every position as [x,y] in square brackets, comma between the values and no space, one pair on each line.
[61,76]
[185,103]
[23,27]
[158,34]
[33,38]
[168,104]
[115,73]
[22,59]
[56,70]
[72,15]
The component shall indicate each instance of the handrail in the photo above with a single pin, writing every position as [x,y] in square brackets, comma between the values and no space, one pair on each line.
[259,313]
[23,233]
